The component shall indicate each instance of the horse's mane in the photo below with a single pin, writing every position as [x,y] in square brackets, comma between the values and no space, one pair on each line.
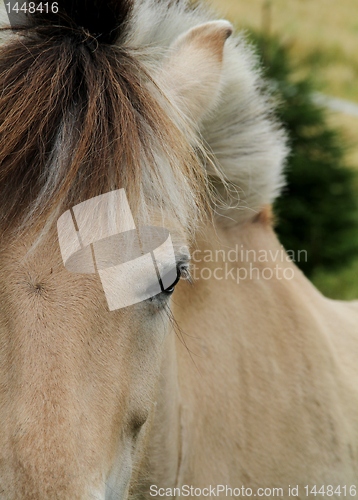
[79,119]
[241,132]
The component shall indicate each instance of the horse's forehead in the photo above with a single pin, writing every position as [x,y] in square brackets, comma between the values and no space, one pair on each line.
[36,278]
[29,250]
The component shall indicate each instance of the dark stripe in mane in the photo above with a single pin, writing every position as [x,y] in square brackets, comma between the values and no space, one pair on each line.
[76,122]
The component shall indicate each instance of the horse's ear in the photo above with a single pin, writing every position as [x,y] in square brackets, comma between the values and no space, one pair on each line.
[192,72]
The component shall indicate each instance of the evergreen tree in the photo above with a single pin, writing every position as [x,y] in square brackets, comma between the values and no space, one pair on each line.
[318,210]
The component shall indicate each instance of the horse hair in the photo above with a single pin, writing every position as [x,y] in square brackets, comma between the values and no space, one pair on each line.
[81,114]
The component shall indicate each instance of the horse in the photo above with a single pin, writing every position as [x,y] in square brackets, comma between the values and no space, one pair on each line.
[239,378]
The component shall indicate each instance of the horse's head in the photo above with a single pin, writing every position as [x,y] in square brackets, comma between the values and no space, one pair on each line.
[80,118]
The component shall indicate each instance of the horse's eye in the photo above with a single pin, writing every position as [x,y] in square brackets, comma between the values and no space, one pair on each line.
[171,288]
[169,281]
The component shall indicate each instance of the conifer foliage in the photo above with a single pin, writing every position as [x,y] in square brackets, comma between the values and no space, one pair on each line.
[318,209]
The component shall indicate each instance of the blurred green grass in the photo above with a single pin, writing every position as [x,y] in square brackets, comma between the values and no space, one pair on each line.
[342,285]
[321,32]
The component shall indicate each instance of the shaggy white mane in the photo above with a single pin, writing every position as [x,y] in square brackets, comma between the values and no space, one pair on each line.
[240,131]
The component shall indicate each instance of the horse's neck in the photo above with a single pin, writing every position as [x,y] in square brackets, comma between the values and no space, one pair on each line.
[252,343]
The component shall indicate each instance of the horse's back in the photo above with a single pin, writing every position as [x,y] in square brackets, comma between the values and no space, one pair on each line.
[342,324]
